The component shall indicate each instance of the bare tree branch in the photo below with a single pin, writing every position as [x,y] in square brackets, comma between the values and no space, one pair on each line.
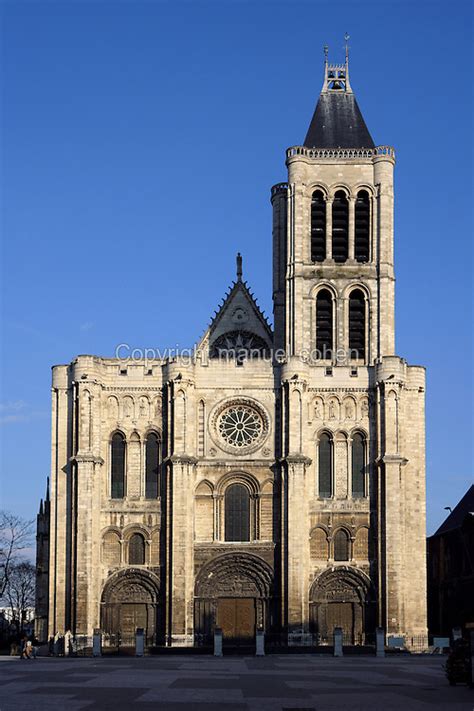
[20,591]
[16,534]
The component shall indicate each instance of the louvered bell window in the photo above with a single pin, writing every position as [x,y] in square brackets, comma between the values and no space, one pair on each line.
[357,324]
[340,227]
[324,324]
[318,227]
[362,227]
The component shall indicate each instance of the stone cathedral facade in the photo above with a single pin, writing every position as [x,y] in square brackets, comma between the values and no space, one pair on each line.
[276,479]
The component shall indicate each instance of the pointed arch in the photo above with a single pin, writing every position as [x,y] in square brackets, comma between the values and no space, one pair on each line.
[318,226]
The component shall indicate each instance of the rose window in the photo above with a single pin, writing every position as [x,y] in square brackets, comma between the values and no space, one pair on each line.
[240,426]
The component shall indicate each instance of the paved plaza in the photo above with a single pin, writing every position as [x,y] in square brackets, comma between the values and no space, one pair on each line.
[299,682]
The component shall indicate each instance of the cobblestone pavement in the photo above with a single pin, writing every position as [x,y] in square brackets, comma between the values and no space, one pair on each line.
[298,682]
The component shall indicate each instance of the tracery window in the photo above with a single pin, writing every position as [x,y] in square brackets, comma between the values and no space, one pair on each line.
[340,227]
[237,513]
[341,545]
[117,468]
[324,324]
[318,227]
[357,325]
[358,465]
[325,466]
[240,425]
[362,226]
[239,346]
[152,466]
[136,550]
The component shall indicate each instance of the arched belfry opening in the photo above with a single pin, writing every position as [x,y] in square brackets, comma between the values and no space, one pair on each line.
[233,592]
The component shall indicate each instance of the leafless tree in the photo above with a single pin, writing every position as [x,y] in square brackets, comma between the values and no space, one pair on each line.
[16,535]
[20,592]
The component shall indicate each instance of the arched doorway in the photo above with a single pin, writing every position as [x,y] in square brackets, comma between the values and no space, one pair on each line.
[130,600]
[342,597]
[233,592]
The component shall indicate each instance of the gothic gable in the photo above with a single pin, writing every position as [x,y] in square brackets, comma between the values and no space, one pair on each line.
[239,324]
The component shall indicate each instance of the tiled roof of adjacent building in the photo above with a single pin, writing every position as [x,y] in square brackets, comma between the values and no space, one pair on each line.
[459,513]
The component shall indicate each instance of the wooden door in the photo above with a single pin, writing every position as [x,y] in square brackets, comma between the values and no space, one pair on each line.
[132,615]
[236,618]
[341,614]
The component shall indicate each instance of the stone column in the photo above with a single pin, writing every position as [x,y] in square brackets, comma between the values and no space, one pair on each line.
[59,577]
[298,549]
[351,228]
[329,228]
[391,501]
[87,474]
[383,177]
[180,558]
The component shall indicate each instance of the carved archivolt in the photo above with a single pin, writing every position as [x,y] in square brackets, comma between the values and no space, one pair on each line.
[131,585]
[235,575]
[342,584]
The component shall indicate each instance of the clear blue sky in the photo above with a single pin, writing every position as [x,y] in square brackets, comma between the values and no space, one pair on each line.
[140,142]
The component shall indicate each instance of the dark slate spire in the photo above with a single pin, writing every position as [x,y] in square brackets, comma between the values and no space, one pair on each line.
[337,121]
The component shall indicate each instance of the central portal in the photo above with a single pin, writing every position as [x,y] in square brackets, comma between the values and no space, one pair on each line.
[233,591]
[236,618]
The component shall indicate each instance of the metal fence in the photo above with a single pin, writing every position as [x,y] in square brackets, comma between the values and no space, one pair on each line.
[418,644]
[275,641]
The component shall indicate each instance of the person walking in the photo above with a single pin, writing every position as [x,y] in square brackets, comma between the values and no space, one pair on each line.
[24,652]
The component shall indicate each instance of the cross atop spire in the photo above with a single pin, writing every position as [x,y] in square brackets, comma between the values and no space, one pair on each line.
[336,76]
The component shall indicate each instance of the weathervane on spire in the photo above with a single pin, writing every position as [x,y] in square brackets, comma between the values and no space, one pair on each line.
[346,40]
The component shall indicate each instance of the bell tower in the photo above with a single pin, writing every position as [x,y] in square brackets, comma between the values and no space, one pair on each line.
[333,284]
[352,411]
